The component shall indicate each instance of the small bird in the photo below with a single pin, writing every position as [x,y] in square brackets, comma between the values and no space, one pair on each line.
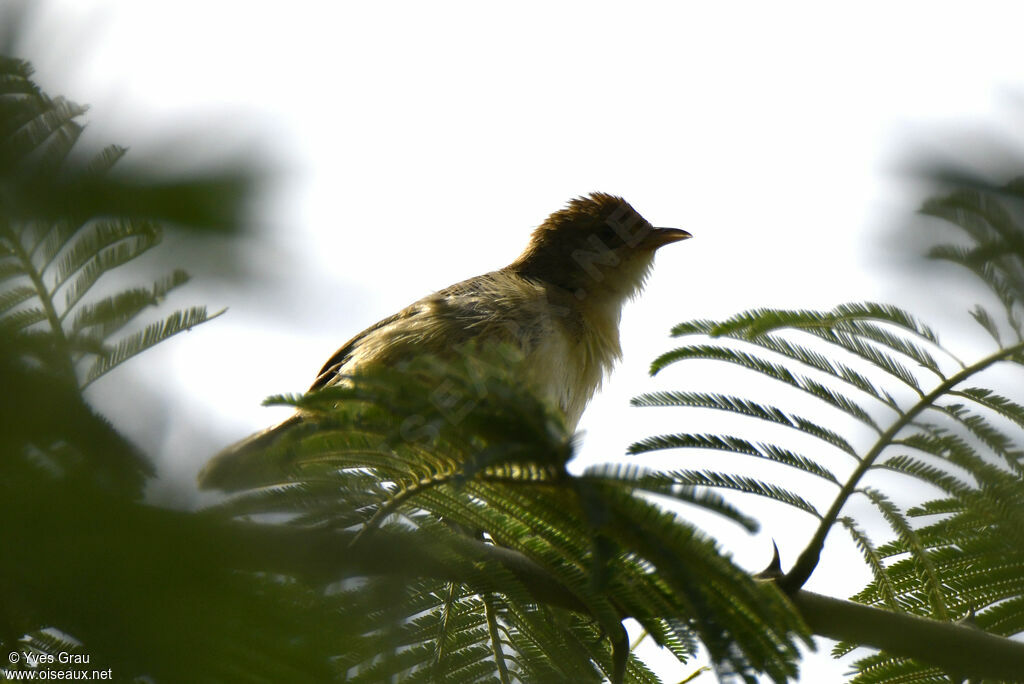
[559,304]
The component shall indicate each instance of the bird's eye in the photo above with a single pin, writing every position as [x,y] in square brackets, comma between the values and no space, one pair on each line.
[607,235]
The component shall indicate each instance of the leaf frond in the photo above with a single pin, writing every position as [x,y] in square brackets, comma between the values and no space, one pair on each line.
[154,333]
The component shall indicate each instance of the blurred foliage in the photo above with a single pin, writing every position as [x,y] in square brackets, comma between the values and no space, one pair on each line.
[51,261]
[86,567]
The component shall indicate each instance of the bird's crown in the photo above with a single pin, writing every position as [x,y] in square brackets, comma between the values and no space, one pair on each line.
[597,214]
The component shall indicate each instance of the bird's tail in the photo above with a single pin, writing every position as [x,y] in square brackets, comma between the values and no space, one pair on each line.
[246,462]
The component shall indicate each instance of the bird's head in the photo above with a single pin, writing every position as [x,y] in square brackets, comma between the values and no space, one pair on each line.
[597,247]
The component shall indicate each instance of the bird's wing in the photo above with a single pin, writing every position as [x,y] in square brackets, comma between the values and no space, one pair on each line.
[341,357]
[240,466]
[438,323]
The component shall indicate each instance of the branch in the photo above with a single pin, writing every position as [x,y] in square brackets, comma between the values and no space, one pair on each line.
[325,555]
[957,649]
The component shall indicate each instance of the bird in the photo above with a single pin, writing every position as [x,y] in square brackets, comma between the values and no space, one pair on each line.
[559,304]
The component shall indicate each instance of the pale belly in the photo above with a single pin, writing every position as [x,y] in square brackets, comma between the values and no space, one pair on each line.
[565,373]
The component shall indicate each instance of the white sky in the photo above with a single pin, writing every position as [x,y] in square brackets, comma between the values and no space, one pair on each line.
[419,143]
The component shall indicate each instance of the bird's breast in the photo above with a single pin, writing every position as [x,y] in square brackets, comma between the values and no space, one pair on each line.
[570,360]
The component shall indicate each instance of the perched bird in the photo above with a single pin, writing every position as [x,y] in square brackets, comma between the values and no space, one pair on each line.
[559,303]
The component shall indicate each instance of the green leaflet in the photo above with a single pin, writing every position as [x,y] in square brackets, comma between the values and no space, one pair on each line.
[88,243]
[634,479]
[875,561]
[110,314]
[738,445]
[43,123]
[749,408]
[124,246]
[985,320]
[927,573]
[152,334]
[14,296]
[995,402]
[743,484]
[773,370]
[757,322]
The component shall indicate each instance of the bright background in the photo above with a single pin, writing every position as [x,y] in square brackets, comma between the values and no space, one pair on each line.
[413,145]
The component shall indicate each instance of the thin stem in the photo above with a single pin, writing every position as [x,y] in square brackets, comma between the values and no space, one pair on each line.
[643,635]
[389,507]
[442,632]
[53,318]
[492,629]
[810,556]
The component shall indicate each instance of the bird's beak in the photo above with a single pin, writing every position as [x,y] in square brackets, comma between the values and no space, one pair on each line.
[659,237]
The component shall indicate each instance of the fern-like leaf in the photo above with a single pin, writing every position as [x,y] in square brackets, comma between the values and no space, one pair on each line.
[738,445]
[748,408]
[154,333]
